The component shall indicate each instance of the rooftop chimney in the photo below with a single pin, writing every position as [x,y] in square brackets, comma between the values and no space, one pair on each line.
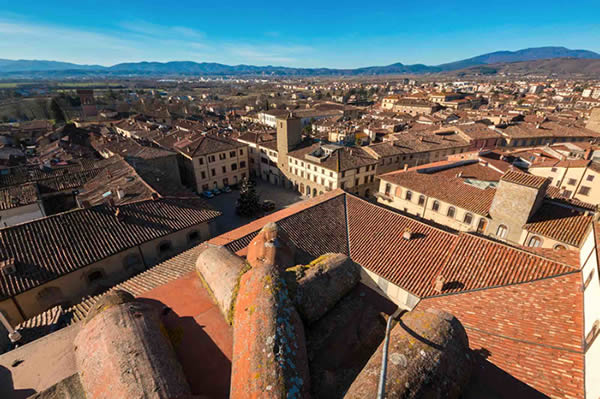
[120,193]
[439,284]
[119,215]
[407,235]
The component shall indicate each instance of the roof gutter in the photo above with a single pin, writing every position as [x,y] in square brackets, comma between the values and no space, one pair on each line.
[383,374]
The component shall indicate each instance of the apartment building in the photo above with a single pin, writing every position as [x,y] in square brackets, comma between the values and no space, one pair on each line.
[319,168]
[209,161]
[578,179]
[475,196]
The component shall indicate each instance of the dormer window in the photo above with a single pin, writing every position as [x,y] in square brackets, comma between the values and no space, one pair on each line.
[535,242]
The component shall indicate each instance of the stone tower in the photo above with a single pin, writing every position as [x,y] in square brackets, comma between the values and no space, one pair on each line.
[517,198]
[88,103]
[289,135]
[594,121]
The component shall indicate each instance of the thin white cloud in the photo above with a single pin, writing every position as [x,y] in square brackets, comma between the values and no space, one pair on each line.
[268,54]
[135,41]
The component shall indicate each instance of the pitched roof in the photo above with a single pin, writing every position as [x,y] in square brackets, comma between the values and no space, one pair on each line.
[466,262]
[560,223]
[39,173]
[339,160]
[531,331]
[374,240]
[207,144]
[50,247]
[15,196]
[524,179]
[447,187]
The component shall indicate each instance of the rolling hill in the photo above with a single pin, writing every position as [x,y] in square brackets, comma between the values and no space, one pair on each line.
[55,69]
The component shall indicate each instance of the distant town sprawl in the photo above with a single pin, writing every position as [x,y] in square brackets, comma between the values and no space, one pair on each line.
[466,211]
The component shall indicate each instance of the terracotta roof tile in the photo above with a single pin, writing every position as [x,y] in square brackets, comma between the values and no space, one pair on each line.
[47,248]
[560,223]
[524,179]
[532,331]
[446,187]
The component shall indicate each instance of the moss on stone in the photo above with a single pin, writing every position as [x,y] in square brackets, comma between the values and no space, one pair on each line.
[113,298]
[236,288]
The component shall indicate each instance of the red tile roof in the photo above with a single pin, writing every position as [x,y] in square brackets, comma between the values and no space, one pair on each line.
[524,179]
[560,223]
[47,248]
[466,262]
[447,187]
[532,331]
[374,240]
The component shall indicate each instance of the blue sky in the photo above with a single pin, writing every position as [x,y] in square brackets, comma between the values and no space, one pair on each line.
[304,34]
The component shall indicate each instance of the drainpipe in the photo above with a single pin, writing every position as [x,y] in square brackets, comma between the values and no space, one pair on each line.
[382,376]
[13,334]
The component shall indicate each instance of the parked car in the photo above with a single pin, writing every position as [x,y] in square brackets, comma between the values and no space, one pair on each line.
[268,205]
[216,191]
[207,194]
[226,189]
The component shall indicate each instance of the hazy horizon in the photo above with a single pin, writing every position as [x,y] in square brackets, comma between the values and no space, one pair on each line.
[311,34]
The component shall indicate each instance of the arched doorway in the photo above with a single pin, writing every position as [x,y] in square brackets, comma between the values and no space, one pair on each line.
[308,190]
[314,192]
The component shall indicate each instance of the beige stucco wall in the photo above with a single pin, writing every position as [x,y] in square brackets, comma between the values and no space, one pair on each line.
[425,211]
[591,298]
[323,179]
[209,181]
[400,297]
[9,309]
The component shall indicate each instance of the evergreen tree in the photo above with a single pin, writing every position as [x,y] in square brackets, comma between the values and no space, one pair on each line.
[249,203]
[57,113]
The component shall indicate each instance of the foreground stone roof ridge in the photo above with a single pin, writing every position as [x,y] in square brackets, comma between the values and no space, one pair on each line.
[273,305]
[270,298]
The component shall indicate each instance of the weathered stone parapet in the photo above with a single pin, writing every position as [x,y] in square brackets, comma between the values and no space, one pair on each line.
[221,270]
[322,283]
[269,349]
[428,357]
[123,351]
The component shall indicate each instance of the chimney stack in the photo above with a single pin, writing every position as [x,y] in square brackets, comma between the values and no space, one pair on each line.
[120,193]
[120,216]
[407,235]
[439,284]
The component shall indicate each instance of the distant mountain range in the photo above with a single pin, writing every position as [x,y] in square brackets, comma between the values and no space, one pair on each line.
[50,69]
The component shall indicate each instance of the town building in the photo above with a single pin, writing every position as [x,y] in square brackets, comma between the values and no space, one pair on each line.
[577,178]
[476,195]
[209,161]
[85,251]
